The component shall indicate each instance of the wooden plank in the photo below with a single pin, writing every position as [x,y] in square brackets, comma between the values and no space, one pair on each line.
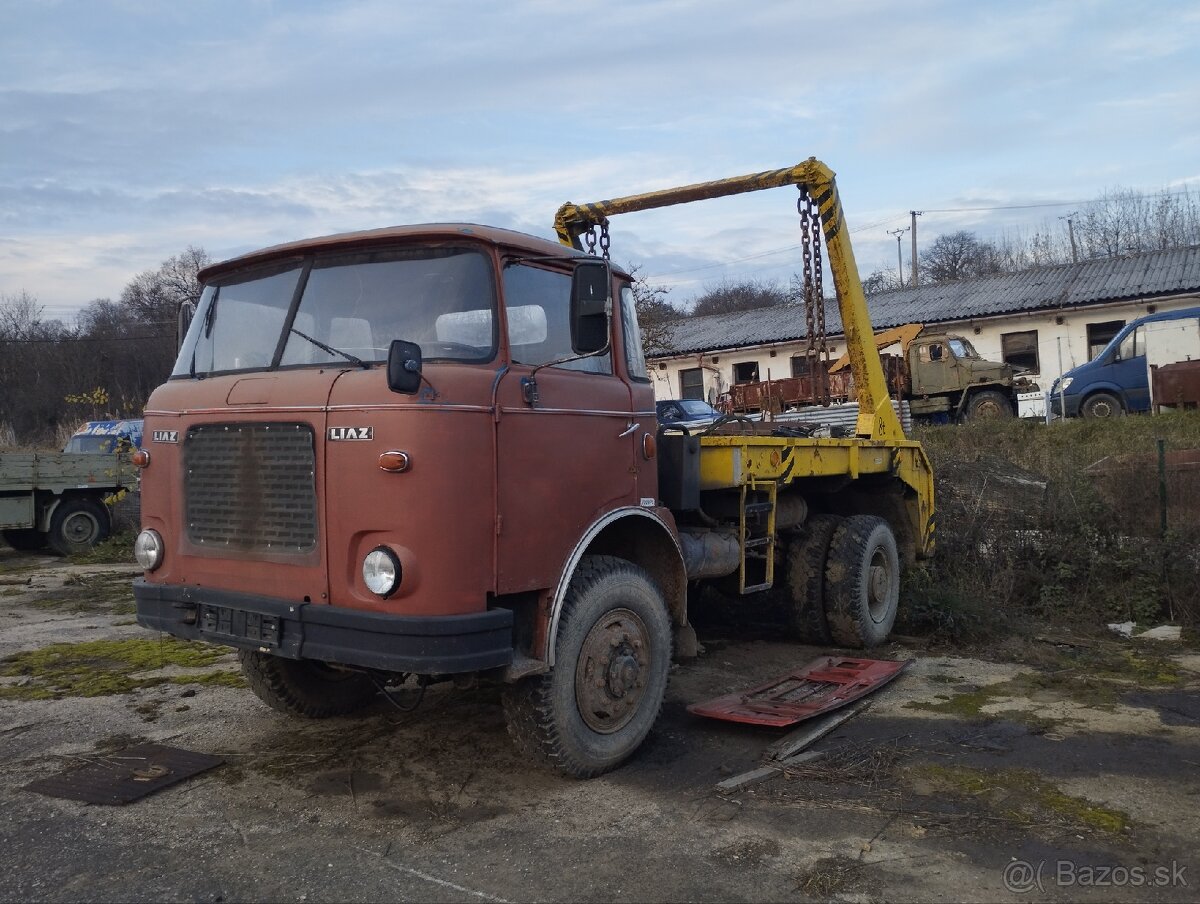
[746,779]
[794,742]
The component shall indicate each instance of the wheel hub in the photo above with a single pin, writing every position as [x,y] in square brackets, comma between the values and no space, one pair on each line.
[79,528]
[878,586]
[610,678]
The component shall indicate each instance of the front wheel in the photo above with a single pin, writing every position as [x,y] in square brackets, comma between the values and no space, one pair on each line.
[303,687]
[77,525]
[593,709]
[1102,404]
[988,405]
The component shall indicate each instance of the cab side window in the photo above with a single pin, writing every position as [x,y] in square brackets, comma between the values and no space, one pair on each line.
[538,304]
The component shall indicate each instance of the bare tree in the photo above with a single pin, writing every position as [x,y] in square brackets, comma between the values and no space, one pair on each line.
[154,296]
[654,313]
[729,297]
[959,255]
[883,280]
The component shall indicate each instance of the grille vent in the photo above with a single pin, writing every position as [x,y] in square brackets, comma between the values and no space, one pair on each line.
[251,487]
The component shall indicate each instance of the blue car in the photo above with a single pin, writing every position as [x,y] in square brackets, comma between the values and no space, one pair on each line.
[103,437]
[1117,380]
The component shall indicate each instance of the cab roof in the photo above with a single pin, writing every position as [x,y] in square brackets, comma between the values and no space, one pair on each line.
[508,239]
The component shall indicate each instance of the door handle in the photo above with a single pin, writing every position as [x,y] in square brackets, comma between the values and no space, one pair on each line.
[628,430]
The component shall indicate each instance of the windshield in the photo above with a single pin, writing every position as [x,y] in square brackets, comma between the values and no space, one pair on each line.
[963,349]
[692,408]
[351,308]
[93,444]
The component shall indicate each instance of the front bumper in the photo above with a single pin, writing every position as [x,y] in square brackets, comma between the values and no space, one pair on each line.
[1072,403]
[423,645]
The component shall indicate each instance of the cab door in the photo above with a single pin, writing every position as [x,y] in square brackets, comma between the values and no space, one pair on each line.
[565,450]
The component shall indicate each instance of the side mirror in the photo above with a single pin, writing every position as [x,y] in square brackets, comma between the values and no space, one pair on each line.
[591,285]
[404,366]
[187,310]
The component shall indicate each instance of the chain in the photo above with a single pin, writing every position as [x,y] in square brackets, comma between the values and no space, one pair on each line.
[822,388]
[590,238]
[816,353]
[604,238]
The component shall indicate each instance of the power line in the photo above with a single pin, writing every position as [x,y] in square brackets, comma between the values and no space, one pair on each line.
[86,339]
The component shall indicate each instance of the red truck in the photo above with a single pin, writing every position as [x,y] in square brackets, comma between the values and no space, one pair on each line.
[432,451]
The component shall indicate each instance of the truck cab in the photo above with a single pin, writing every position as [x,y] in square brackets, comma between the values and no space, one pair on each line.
[940,363]
[1117,381]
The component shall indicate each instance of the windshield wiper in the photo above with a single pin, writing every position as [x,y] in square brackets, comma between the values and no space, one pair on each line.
[329,349]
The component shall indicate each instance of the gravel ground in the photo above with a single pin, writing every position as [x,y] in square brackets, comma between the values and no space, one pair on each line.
[1048,753]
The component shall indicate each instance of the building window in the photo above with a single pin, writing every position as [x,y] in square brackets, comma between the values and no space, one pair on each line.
[1021,350]
[746,372]
[691,384]
[1100,334]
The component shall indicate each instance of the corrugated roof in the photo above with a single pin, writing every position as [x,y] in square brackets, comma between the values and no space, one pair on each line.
[1150,275]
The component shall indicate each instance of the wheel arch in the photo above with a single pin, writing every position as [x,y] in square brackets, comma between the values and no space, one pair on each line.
[45,513]
[640,536]
[889,498]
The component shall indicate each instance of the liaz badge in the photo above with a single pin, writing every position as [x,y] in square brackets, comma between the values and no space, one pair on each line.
[166,436]
[336,433]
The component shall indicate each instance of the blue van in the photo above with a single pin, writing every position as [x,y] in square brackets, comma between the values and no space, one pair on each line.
[103,437]
[1117,380]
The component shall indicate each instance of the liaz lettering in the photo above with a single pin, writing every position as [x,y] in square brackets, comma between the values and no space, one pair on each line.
[339,433]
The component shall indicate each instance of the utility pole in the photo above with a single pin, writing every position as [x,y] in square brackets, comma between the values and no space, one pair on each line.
[1071,232]
[916,279]
[899,257]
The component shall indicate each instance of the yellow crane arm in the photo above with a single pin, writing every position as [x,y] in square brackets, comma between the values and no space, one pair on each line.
[876,418]
[902,334]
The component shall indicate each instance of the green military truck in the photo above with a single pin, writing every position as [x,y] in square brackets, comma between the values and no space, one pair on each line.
[60,498]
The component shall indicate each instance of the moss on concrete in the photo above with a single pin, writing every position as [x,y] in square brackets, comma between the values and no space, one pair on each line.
[1022,796]
[102,667]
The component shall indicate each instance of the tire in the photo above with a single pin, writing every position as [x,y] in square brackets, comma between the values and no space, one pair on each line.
[77,525]
[805,602]
[25,539]
[305,688]
[989,405]
[1102,404]
[862,582]
[593,709]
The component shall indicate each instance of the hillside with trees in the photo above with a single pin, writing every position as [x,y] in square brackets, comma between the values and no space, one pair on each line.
[54,376]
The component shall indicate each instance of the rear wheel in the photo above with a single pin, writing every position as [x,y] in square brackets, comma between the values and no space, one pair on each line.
[988,405]
[305,688]
[77,525]
[593,709]
[862,582]
[1102,404]
[25,539]
[805,602]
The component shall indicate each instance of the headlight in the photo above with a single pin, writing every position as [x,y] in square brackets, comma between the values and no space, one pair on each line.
[1065,384]
[381,571]
[148,549]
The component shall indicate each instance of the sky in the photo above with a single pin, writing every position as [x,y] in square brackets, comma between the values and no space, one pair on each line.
[132,130]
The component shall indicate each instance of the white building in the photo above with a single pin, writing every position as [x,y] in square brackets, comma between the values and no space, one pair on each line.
[1047,320]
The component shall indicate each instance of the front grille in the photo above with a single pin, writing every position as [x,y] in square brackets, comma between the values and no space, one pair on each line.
[251,487]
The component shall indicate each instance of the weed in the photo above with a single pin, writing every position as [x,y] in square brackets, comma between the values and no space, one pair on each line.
[1058,522]
[116,550]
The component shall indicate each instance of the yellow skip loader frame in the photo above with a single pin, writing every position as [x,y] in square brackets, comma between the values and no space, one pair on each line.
[880,446]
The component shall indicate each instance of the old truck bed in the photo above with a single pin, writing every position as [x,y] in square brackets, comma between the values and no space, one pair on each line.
[57,472]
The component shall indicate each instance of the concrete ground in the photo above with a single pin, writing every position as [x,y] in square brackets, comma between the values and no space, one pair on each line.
[1053,768]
